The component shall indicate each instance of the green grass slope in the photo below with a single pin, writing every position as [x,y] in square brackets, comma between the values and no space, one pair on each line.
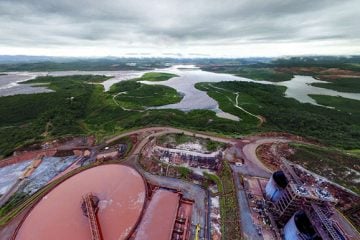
[351,85]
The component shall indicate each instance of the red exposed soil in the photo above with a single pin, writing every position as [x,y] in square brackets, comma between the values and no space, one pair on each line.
[26,156]
[301,70]
[326,74]
[317,71]
[61,147]
[337,71]
[271,153]
[330,78]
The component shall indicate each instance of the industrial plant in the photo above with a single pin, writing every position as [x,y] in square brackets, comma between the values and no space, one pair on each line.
[163,184]
[304,210]
[189,158]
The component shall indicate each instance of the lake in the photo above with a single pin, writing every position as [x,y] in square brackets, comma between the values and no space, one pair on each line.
[299,87]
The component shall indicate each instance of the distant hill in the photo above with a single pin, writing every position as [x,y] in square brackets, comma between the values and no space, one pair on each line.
[4,59]
[49,63]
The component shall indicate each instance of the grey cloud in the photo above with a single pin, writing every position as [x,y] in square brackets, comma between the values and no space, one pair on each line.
[174,23]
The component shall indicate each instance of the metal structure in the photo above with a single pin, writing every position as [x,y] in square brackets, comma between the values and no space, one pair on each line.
[197,231]
[91,214]
[276,185]
[295,195]
[299,227]
[298,194]
[182,223]
[328,229]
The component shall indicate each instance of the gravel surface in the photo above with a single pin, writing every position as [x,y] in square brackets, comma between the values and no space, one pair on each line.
[48,169]
[10,174]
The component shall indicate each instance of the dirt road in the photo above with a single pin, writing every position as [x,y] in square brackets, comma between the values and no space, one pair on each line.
[172,130]
[249,151]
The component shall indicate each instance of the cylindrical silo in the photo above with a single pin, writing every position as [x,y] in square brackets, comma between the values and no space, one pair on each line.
[276,186]
[299,227]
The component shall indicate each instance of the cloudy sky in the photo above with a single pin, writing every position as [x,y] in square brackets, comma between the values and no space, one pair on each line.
[218,28]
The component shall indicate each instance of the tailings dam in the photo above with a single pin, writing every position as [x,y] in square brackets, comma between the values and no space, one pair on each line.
[120,198]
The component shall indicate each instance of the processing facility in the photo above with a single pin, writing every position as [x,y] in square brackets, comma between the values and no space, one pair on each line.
[303,210]
[108,202]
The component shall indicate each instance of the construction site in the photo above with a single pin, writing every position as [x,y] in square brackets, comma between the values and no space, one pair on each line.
[288,206]
[304,209]
[149,184]
[191,154]
[188,158]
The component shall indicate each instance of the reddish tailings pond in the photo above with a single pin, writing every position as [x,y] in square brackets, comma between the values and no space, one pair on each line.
[58,215]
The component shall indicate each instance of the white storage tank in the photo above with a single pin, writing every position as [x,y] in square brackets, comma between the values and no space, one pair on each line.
[276,185]
[299,227]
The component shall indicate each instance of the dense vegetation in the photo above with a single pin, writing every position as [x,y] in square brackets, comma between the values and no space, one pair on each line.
[156,77]
[351,85]
[345,105]
[23,63]
[337,166]
[77,107]
[255,73]
[80,106]
[136,95]
[347,63]
[335,69]
[286,114]
[29,118]
[103,64]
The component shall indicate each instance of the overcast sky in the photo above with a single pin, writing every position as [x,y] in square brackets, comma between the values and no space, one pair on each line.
[218,28]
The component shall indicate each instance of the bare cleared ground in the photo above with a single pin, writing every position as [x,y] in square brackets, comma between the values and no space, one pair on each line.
[321,72]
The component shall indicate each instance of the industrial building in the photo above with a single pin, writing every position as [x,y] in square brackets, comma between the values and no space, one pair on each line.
[108,202]
[193,159]
[303,210]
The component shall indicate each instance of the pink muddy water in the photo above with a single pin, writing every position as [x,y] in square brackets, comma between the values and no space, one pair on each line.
[58,215]
[159,217]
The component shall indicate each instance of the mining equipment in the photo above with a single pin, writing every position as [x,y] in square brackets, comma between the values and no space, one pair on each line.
[197,231]
[90,208]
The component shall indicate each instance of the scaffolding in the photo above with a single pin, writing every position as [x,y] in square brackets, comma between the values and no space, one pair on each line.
[327,230]
[315,201]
